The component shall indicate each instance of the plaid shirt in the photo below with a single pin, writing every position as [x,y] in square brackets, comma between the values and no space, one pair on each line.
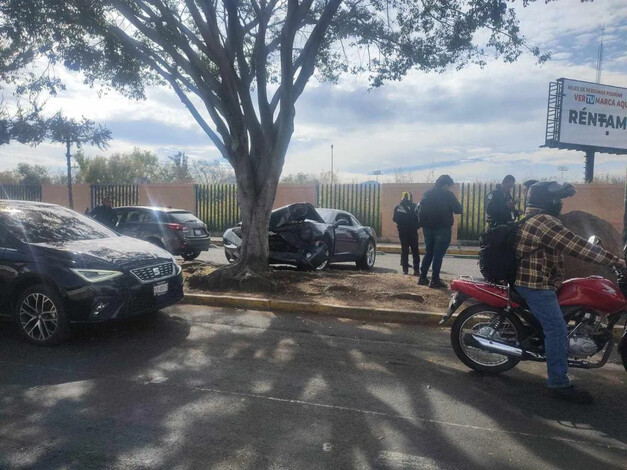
[540,244]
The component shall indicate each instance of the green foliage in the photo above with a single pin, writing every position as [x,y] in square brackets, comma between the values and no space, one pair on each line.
[135,167]
[26,174]
[207,172]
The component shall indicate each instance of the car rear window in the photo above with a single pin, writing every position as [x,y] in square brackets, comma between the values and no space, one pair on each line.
[50,224]
[183,216]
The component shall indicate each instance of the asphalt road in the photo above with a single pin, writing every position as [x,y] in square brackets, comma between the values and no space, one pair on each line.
[220,389]
[452,267]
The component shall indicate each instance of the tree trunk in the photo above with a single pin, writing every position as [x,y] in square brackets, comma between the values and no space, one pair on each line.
[255,200]
[69,176]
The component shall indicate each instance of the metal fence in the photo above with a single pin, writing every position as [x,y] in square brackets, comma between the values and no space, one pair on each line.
[22,192]
[122,194]
[361,200]
[217,206]
[472,222]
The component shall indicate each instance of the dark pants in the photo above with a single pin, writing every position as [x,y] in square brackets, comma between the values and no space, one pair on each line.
[409,240]
[437,241]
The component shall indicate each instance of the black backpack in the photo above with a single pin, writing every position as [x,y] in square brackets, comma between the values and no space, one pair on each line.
[497,253]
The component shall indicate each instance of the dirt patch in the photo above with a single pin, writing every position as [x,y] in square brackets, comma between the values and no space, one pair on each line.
[350,288]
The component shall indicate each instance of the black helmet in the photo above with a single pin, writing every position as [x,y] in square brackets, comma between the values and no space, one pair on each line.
[548,195]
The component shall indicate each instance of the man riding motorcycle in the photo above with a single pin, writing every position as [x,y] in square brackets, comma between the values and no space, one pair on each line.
[541,242]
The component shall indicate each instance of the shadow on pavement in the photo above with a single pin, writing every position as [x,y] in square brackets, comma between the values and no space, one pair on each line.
[282,392]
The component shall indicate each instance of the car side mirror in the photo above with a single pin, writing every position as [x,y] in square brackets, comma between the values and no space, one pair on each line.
[595,241]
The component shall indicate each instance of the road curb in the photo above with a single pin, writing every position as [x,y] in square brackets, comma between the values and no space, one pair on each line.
[383,315]
[286,306]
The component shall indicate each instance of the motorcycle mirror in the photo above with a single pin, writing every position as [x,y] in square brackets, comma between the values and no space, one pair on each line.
[595,240]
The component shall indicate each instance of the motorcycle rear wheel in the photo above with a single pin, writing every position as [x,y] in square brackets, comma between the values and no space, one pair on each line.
[477,319]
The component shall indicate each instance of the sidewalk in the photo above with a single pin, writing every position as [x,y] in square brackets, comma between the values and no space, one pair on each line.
[394,248]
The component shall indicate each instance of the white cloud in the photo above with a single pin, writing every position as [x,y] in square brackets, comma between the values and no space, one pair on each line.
[473,124]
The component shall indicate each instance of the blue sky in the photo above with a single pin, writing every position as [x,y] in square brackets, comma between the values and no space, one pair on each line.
[475,124]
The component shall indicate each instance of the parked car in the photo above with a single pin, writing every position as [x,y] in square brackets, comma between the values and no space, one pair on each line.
[59,267]
[311,238]
[176,230]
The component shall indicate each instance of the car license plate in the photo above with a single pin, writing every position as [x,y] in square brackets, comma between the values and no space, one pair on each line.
[160,289]
[199,232]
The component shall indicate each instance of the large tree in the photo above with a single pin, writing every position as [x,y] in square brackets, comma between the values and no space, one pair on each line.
[239,66]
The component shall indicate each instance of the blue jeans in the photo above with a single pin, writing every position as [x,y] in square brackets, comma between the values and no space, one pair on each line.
[437,241]
[544,306]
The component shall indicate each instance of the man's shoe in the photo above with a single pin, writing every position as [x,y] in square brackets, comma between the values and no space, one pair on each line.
[405,271]
[576,395]
[416,272]
[437,284]
[423,281]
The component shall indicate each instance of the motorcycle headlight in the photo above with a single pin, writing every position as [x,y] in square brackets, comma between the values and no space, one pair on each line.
[96,275]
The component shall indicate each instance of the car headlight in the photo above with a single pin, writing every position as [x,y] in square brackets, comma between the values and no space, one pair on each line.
[96,275]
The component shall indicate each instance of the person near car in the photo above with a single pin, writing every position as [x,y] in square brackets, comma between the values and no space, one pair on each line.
[500,206]
[541,243]
[406,219]
[436,219]
[104,213]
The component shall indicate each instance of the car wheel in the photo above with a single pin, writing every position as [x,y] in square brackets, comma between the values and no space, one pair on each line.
[229,256]
[324,264]
[191,255]
[368,257]
[40,316]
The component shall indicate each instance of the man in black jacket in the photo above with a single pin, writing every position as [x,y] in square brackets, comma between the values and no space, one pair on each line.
[406,219]
[499,204]
[436,219]
[104,212]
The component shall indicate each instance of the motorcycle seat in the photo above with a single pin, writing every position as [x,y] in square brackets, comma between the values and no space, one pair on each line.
[516,298]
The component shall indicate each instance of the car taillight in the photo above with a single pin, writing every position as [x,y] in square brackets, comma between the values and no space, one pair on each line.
[175,226]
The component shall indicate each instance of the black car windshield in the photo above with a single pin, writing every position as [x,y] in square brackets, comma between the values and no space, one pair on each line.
[50,224]
[182,217]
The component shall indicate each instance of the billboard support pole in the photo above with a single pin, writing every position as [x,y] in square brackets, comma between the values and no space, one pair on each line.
[589,176]
[625,214]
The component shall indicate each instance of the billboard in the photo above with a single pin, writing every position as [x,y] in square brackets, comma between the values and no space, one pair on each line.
[587,116]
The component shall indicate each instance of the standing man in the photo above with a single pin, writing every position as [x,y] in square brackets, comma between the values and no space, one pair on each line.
[104,212]
[499,204]
[541,243]
[406,219]
[436,219]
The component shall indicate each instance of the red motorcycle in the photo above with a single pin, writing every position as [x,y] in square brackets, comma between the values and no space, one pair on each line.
[498,331]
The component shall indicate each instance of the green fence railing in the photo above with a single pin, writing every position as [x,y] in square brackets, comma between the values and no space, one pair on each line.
[361,200]
[472,222]
[217,206]
[21,192]
[122,194]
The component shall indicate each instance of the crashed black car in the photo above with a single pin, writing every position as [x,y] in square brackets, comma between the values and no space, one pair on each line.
[309,238]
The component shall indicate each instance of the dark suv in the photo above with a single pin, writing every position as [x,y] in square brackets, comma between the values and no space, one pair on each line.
[59,267]
[176,230]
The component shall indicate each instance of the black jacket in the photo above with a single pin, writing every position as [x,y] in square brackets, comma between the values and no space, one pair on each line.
[437,208]
[104,215]
[406,216]
[496,208]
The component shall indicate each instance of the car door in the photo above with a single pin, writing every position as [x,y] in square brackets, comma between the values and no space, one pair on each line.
[10,261]
[345,237]
[129,223]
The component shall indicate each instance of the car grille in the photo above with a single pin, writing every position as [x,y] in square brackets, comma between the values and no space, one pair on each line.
[153,273]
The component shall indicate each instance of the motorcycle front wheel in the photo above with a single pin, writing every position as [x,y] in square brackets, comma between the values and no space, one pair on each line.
[489,322]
